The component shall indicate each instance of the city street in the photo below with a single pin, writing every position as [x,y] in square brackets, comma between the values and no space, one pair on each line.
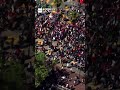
[55,45]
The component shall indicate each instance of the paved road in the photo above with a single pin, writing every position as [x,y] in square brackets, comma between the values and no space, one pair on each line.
[80,86]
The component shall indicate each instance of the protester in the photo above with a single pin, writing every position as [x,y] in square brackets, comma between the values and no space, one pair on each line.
[16,18]
[60,39]
[102,43]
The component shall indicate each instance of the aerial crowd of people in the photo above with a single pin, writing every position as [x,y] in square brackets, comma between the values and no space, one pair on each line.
[102,39]
[90,43]
[61,40]
[16,18]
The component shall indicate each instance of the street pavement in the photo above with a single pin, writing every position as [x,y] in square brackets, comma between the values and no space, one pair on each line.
[80,86]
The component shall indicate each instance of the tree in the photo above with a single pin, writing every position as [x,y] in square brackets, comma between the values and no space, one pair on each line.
[41,71]
[12,76]
[57,3]
[72,15]
[40,58]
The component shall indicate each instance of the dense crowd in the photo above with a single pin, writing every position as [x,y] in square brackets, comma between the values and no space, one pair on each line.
[60,40]
[102,26]
[66,42]
[16,18]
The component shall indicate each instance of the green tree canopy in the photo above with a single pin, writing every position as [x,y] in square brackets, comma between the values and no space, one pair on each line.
[41,73]
[12,76]
[41,70]
[57,2]
[72,15]
[40,58]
